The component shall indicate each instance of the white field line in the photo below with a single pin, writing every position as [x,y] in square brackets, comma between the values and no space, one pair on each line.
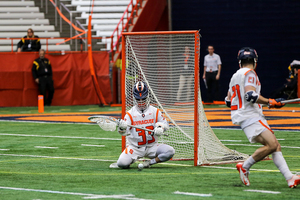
[67,158]
[53,136]
[43,147]
[92,145]
[47,122]
[263,191]
[193,194]
[252,145]
[87,196]
[4,149]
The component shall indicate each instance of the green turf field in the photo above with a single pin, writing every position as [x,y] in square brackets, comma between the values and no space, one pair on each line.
[71,161]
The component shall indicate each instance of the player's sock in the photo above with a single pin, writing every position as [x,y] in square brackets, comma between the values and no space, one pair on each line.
[280,163]
[248,163]
[153,161]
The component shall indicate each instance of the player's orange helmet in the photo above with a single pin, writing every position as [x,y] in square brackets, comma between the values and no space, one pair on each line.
[141,95]
[247,53]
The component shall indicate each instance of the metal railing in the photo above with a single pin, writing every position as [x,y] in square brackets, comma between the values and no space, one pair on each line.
[81,40]
[130,14]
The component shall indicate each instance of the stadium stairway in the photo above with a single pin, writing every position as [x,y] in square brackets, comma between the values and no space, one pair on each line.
[16,16]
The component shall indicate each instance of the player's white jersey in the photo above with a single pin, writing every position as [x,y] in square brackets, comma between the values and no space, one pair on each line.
[244,113]
[147,119]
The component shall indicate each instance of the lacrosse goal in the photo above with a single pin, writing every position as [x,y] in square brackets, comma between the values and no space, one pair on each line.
[168,62]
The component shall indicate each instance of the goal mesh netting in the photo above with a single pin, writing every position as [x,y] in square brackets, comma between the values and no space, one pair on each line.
[166,63]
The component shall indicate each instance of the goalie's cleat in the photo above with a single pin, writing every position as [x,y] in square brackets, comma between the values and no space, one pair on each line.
[113,165]
[243,174]
[294,181]
[146,164]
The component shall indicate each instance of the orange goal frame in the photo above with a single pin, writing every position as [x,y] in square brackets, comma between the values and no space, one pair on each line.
[196,82]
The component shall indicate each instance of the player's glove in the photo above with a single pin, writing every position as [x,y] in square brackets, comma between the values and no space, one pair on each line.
[276,103]
[158,131]
[122,128]
[159,128]
[122,125]
[227,102]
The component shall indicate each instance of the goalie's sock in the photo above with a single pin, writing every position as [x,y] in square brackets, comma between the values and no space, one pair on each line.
[248,163]
[280,163]
[153,161]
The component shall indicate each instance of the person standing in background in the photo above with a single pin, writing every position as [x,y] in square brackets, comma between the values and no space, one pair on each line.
[211,74]
[42,74]
[186,77]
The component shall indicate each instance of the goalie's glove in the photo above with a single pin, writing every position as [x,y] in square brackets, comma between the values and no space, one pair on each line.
[159,129]
[227,102]
[276,103]
[122,128]
[122,124]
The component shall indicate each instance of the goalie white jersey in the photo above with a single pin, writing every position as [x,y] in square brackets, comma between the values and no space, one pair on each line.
[244,113]
[147,120]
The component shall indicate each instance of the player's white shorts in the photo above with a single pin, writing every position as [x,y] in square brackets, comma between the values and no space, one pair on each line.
[137,153]
[255,129]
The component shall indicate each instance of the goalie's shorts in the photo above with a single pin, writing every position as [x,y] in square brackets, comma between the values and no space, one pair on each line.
[255,129]
[132,154]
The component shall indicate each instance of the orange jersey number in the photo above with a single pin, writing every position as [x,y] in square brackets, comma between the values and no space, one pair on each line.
[143,134]
[236,92]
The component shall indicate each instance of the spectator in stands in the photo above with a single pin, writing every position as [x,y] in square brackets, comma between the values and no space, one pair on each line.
[211,74]
[289,89]
[29,42]
[186,76]
[42,74]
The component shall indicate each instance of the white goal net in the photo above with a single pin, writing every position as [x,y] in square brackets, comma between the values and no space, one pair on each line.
[168,62]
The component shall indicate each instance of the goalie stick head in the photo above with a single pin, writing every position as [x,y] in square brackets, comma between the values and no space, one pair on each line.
[141,95]
[247,55]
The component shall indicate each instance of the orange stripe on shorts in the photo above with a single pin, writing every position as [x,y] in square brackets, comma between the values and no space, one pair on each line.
[265,126]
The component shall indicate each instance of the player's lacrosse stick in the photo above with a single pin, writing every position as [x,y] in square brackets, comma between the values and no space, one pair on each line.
[108,123]
[290,100]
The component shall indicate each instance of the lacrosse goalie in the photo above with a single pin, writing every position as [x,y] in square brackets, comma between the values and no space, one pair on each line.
[141,143]
[245,101]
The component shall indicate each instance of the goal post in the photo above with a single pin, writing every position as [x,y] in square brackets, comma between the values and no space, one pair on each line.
[168,62]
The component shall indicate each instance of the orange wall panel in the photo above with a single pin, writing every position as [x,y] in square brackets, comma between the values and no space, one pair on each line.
[71,76]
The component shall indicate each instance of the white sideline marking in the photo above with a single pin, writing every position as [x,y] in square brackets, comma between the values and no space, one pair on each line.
[193,194]
[231,140]
[53,136]
[4,149]
[90,196]
[92,145]
[43,147]
[67,158]
[263,191]
[251,145]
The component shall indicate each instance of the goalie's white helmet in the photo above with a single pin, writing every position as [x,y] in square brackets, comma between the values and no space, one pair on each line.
[141,95]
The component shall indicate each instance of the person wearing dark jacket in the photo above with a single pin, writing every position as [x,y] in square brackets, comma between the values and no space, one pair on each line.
[42,74]
[29,42]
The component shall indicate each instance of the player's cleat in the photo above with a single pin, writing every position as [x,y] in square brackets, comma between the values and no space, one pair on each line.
[146,164]
[113,165]
[294,181]
[243,174]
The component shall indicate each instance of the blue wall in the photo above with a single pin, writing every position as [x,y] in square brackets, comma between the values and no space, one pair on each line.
[272,27]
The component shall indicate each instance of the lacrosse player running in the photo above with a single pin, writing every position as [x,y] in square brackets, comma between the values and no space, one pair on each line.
[245,101]
[143,143]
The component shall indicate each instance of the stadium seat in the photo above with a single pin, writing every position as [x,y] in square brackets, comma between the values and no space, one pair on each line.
[16,3]
[15,19]
[19,9]
[25,28]
[28,22]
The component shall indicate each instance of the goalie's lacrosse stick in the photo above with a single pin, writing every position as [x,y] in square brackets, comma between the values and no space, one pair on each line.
[290,100]
[108,123]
